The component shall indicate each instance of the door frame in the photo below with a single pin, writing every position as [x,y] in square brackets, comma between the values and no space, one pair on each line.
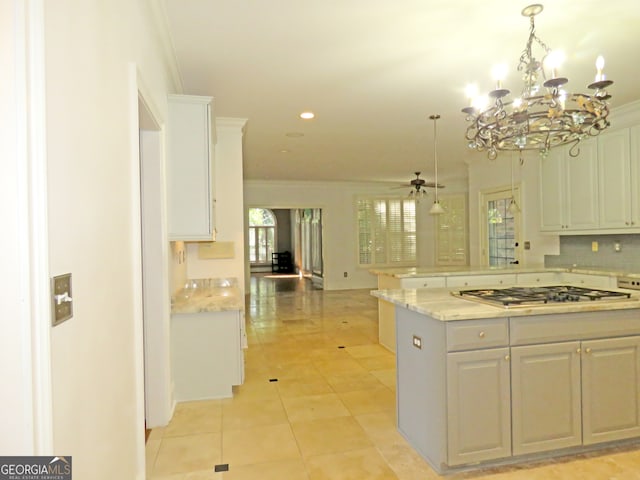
[154,401]
[32,324]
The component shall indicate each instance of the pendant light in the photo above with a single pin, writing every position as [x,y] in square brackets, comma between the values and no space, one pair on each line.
[436,208]
[513,206]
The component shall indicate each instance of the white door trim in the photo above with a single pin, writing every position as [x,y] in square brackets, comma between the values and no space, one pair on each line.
[154,395]
[34,251]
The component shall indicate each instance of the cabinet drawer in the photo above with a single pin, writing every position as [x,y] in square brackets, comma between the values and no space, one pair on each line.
[508,279]
[540,278]
[472,334]
[424,282]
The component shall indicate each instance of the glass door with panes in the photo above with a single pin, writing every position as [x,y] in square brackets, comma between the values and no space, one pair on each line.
[500,226]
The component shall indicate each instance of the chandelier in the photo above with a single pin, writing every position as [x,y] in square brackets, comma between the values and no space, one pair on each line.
[545,115]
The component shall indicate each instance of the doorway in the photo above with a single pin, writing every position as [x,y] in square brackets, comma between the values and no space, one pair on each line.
[297,232]
[155,270]
[500,227]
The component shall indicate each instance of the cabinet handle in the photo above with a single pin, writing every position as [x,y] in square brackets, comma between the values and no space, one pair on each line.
[507,357]
[481,334]
[587,350]
[578,350]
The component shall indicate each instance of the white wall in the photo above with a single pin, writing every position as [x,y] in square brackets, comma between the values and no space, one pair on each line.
[229,212]
[177,266]
[337,201]
[93,210]
[486,174]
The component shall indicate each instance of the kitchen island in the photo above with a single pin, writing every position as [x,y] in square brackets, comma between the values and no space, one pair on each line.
[480,385]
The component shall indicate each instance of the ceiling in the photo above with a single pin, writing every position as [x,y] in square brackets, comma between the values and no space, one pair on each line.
[374,71]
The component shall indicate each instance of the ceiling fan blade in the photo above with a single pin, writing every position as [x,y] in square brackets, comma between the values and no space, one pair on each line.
[433,185]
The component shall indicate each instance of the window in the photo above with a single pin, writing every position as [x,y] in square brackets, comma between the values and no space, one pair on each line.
[386,231]
[262,235]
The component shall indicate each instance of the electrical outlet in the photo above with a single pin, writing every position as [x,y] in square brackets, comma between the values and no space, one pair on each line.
[594,246]
[417,342]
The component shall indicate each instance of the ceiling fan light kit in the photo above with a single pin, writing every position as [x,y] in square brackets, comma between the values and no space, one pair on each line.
[545,115]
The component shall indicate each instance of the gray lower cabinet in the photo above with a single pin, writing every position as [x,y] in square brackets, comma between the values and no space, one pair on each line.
[546,397]
[482,391]
[479,411]
[575,393]
[610,389]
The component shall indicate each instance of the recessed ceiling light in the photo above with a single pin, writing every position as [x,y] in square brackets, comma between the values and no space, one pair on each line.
[307,115]
[294,134]
[284,151]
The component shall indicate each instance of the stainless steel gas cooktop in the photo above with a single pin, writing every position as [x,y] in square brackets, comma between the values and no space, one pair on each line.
[531,296]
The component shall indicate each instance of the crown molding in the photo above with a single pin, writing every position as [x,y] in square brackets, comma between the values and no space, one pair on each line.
[626,115]
[160,23]
[231,124]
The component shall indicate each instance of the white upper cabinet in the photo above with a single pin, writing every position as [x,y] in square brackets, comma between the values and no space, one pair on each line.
[190,168]
[552,203]
[569,189]
[614,179]
[597,191]
[635,176]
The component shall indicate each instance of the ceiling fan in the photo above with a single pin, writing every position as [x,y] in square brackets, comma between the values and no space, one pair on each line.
[419,186]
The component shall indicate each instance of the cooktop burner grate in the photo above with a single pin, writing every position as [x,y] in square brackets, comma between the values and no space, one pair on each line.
[539,295]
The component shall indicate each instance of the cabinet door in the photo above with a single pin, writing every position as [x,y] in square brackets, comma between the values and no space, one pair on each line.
[581,184]
[189,168]
[611,389]
[545,384]
[479,411]
[552,191]
[614,179]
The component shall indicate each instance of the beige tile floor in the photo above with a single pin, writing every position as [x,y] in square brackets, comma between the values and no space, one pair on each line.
[329,415]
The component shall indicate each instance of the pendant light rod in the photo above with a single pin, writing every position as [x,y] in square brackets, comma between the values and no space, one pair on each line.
[436,209]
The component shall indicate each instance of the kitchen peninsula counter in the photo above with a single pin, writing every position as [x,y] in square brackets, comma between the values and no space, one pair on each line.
[444,271]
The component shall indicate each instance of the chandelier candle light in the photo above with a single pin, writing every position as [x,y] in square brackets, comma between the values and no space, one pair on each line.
[436,208]
[539,119]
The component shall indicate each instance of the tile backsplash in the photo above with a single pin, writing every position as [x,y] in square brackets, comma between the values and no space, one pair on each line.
[577,250]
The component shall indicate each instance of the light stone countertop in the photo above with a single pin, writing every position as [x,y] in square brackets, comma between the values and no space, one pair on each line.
[411,272]
[441,305]
[208,295]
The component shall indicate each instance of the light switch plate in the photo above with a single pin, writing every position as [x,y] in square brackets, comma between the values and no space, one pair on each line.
[61,299]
